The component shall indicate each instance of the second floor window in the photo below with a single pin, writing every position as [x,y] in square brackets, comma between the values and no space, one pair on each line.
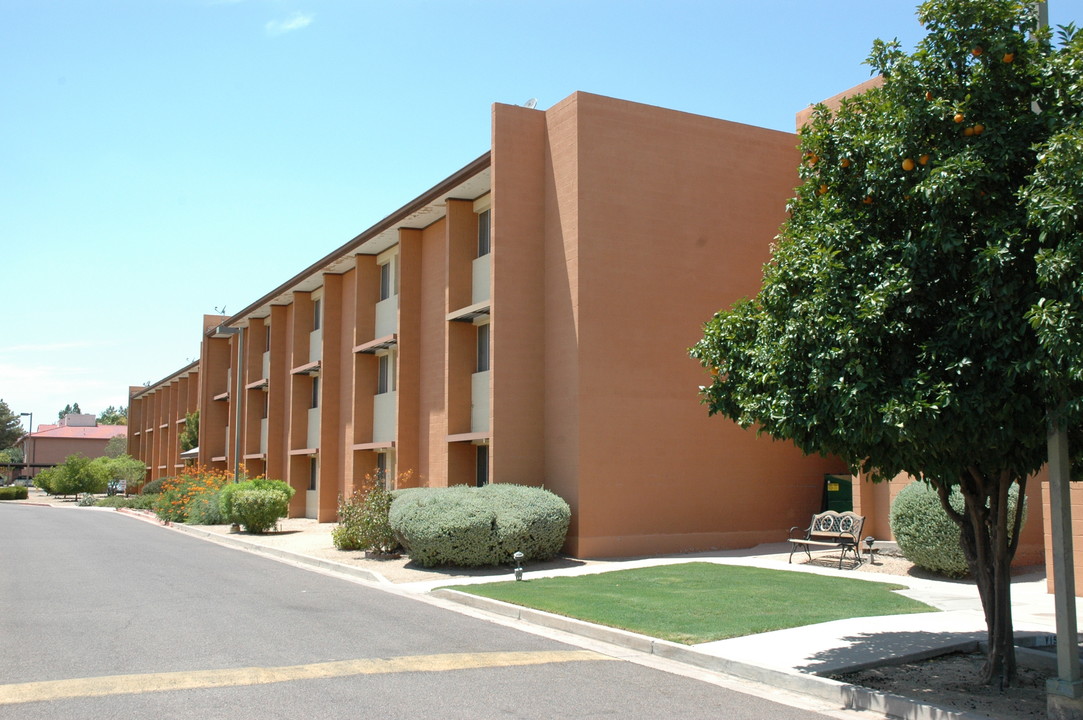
[317,306]
[315,393]
[484,239]
[483,348]
[385,374]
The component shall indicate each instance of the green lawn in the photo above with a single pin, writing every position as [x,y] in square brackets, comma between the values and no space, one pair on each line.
[700,602]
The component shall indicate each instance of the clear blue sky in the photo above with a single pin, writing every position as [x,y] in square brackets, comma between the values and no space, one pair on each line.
[149,146]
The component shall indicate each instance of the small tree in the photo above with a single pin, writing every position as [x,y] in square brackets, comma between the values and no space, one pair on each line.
[128,470]
[11,428]
[896,323]
[189,437]
[71,409]
[117,446]
[113,416]
[77,474]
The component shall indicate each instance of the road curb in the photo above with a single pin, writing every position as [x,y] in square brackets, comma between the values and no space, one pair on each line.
[257,548]
[850,697]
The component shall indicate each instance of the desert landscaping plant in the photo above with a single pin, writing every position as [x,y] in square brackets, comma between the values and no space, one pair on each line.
[16,492]
[474,527]
[926,535]
[77,475]
[257,510]
[229,492]
[363,522]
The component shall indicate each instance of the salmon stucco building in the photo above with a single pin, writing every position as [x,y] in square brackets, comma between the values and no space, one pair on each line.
[526,320]
[73,434]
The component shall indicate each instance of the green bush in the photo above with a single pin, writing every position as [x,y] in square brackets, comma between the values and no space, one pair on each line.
[363,521]
[138,502]
[75,476]
[227,496]
[926,535]
[15,492]
[472,527]
[154,487]
[205,509]
[257,510]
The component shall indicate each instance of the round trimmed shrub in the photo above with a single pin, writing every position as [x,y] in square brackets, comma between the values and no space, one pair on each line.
[472,527]
[227,496]
[926,535]
[258,510]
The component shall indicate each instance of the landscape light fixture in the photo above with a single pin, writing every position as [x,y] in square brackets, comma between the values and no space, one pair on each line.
[518,565]
[868,543]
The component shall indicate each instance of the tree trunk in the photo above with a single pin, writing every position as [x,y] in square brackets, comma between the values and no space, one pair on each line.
[990,535]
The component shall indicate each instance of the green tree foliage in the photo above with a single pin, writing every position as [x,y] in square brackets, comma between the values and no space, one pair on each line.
[113,416]
[189,438]
[117,446]
[896,322]
[11,428]
[72,409]
[127,469]
[76,475]
[11,455]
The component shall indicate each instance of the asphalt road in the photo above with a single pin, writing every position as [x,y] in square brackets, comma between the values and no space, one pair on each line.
[104,616]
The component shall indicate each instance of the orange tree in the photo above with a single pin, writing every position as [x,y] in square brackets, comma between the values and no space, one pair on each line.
[899,321]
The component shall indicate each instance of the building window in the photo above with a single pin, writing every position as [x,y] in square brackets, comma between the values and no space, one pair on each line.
[389,277]
[315,393]
[385,281]
[317,307]
[483,348]
[385,373]
[381,468]
[484,236]
[265,406]
[482,465]
[266,338]
[313,471]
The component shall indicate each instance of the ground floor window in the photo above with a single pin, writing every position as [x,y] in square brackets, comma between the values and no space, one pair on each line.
[482,472]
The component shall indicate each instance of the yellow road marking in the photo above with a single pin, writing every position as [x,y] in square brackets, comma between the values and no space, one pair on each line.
[190,680]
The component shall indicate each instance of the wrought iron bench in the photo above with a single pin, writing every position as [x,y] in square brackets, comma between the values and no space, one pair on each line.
[830,530]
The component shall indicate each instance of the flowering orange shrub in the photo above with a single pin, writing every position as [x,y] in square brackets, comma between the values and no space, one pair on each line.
[195,481]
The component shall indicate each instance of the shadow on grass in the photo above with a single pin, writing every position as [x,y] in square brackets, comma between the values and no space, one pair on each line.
[557,563]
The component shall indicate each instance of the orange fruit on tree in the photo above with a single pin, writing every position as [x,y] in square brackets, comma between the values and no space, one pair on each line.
[959,117]
[976,52]
[867,200]
[923,160]
[908,164]
[823,189]
[845,162]
[979,129]
[928,95]
[1008,57]
[968,131]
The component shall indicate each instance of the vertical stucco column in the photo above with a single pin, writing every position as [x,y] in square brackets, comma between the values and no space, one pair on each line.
[407,440]
[520,300]
[331,401]
[278,394]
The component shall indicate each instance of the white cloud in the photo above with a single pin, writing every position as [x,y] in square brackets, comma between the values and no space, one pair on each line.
[296,21]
